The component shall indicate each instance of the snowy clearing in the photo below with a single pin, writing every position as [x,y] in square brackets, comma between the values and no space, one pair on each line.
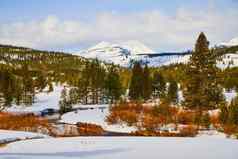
[43,101]
[203,147]
[95,116]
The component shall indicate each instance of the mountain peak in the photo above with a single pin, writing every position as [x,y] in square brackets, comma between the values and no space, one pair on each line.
[100,45]
[118,53]
[137,47]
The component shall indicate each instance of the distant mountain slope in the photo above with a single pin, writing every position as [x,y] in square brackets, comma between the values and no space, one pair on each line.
[232,42]
[124,53]
[121,54]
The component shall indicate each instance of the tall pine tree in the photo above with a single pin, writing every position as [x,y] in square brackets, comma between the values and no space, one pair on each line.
[158,85]
[113,85]
[136,84]
[201,89]
[147,83]
[172,95]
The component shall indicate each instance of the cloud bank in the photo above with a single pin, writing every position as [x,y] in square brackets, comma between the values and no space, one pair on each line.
[157,30]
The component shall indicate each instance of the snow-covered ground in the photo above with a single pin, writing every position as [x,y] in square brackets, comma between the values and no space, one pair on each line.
[95,116]
[10,135]
[203,147]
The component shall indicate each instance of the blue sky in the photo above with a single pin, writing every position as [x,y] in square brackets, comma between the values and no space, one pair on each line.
[73,9]
[69,24]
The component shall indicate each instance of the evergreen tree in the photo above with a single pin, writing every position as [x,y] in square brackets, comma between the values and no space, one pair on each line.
[73,96]
[7,89]
[158,85]
[41,82]
[28,86]
[84,83]
[172,95]
[233,112]
[147,83]
[51,89]
[224,113]
[201,89]
[136,84]
[113,85]
[206,120]
[64,103]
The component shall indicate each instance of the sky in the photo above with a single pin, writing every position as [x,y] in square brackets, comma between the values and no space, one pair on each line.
[73,25]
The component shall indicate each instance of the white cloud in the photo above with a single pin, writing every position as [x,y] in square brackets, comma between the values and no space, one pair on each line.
[157,30]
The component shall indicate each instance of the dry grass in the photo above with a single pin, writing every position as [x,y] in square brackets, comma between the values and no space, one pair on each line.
[26,122]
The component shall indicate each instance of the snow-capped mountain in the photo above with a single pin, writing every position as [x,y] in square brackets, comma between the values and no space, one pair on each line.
[232,42]
[124,53]
[121,53]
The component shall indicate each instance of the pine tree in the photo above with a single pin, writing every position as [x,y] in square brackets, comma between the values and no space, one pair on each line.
[97,73]
[41,82]
[51,89]
[224,114]
[147,83]
[233,112]
[136,84]
[7,88]
[158,85]
[201,89]
[64,103]
[172,95]
[113,85]
[85,83]
[206,120]
[28,86]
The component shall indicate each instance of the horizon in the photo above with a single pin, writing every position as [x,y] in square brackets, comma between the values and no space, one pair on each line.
[77,25]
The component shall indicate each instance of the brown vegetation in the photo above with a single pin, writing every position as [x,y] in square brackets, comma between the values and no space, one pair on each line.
[25,122]
[86,129]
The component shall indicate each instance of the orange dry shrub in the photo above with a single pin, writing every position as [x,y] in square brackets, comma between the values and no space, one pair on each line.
[125,112]
[137,107]
[188,131]
[130,117]
[23,123]
[145,133]
[113,118]
[151,123]
[215,120]
[185,117]
[127,116]
[230,129]
[86,129]
[144,117]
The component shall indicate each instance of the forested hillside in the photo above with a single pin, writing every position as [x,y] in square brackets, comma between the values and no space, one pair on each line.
[25,72]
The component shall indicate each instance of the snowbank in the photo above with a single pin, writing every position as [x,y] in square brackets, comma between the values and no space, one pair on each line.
[205,147]
[10,136]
